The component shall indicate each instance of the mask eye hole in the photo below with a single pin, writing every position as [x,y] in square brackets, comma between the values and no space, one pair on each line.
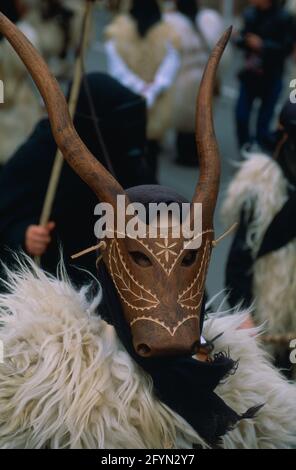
[140,259]
[189,258]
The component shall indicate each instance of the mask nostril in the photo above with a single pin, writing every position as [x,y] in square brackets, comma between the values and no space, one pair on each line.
[143,350]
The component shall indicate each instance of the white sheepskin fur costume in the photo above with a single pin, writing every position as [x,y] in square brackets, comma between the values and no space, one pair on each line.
[260,181]
[67,382]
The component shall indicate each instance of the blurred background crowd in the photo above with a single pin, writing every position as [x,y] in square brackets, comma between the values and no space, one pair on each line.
[136,112]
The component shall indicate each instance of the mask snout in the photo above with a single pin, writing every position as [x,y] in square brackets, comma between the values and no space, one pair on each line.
[153,340]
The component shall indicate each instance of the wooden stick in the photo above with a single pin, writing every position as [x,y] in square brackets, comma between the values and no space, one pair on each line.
[101,245]
[74,95]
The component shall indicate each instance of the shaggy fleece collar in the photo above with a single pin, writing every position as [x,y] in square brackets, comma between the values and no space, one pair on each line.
[183,384]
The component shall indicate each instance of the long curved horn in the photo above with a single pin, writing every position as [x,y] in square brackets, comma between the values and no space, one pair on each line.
[73,149]
[207,188]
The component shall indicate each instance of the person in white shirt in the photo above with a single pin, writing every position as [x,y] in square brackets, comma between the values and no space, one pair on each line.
[142,53]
